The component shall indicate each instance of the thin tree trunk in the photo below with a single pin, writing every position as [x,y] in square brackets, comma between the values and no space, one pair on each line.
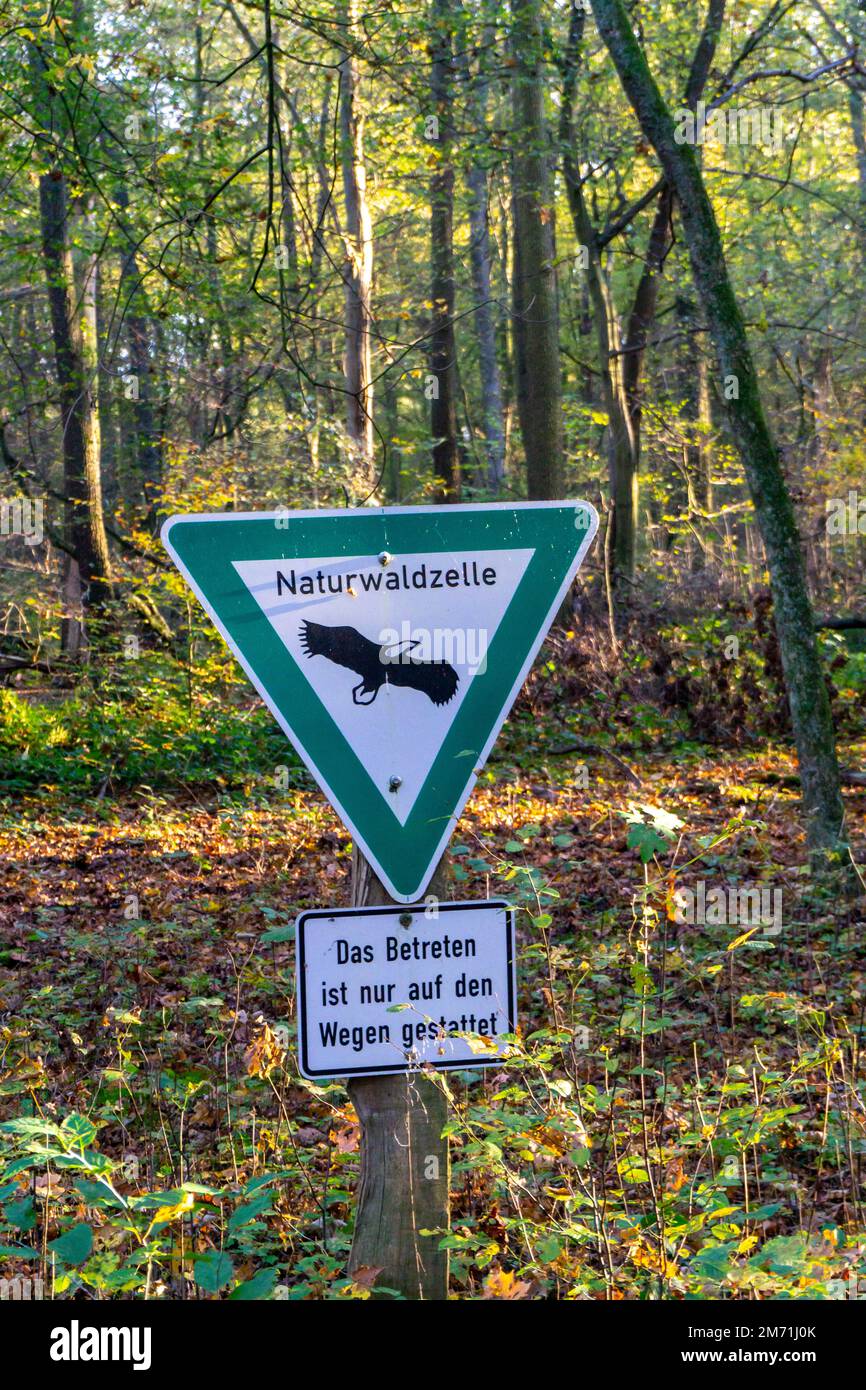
[536,312]
[479,252]
[643,312]
[290,282]
[622,361]
[109,410]
[443,356]
[702,458]
[219,368]
[148,442]
[620,443]
[488,364]
[856,88]
[324,198]
[88,580]
[806,686]
[645,302]
[358,269]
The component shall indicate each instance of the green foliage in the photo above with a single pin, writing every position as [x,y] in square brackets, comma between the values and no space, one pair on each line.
[149,735]
[213,1271]
[74,1246]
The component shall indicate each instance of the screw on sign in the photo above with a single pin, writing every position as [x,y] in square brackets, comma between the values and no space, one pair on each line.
[390,644]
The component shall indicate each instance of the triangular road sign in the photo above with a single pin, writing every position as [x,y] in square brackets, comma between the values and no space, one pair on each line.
[389,644]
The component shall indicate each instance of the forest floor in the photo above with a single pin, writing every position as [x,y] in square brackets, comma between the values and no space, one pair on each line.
[684,1114]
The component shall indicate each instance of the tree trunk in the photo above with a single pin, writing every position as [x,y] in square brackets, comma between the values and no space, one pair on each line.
[72,299]
[479,251]
[702,459]
[358,267]
[148,443]
[643,312]
[536,312]
[324,198]
[88,580]
[856,87]
[621,363]
[443,363]
[807,690]
[405,1174]
[621,543]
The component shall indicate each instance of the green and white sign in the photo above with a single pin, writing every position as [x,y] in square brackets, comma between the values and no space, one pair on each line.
[390,644]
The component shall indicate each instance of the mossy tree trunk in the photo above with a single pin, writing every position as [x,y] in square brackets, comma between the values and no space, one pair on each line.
[71,283]
[536,312]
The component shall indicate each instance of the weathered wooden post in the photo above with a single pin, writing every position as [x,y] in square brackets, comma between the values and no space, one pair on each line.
[405,1168]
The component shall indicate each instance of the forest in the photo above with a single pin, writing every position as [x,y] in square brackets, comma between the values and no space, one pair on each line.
[267,257]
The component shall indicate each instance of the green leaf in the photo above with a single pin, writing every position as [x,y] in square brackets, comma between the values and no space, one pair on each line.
[260,1286]
[21,1214]
[20,1165]
[765,1212]
[213,1271]
[78,1131]
[785,1254]
[646,841]
[155,1200]
[649,830]
[242,1215]
[631,1169]
[713,1262]
[548,1249]
[97,1192]
[264,1179]
[278,934]
[30,1124]
[74,1245]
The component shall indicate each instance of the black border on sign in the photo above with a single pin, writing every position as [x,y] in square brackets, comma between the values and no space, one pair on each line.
[398,909]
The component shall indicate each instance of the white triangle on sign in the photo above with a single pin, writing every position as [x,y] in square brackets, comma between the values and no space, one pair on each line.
[433,608]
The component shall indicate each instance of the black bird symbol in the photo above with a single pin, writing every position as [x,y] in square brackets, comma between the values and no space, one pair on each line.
[377,665]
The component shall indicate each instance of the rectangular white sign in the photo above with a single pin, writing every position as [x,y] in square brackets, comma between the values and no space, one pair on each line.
[389,989]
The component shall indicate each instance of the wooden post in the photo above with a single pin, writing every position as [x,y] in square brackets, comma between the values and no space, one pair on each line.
[405,1170]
